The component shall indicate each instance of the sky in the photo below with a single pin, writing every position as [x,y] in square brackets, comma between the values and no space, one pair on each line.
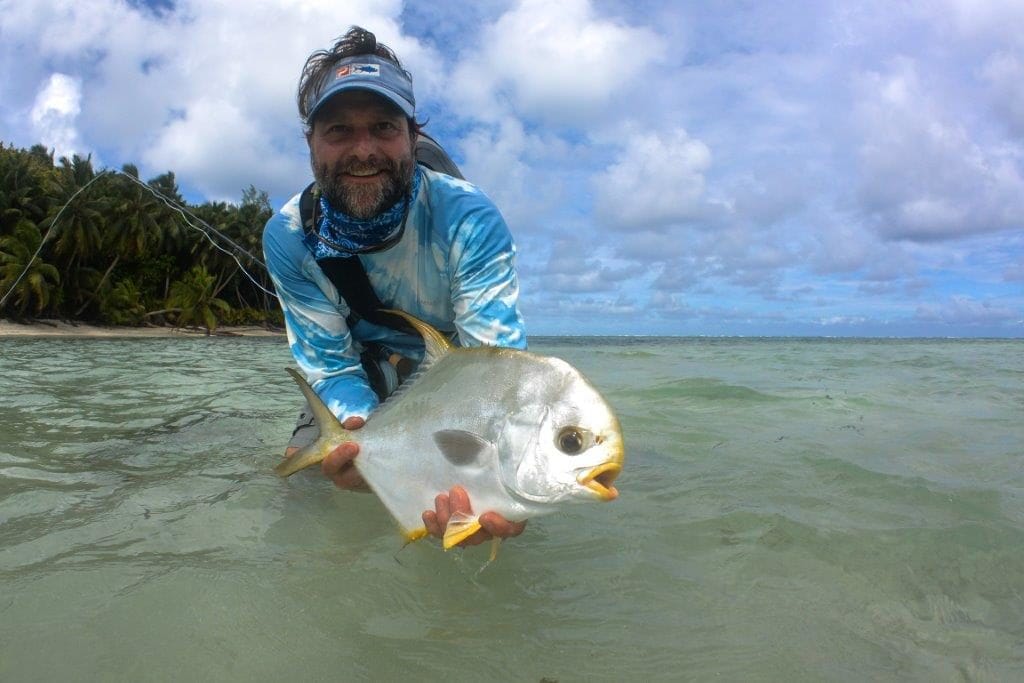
[850,168]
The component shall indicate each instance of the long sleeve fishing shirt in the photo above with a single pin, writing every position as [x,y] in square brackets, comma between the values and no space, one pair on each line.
[454,268]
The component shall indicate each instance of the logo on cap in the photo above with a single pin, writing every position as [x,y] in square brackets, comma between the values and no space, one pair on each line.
[357,70]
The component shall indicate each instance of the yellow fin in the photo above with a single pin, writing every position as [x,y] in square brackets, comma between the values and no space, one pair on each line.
[415,535]
[437,344]
[460,527]
[331,432]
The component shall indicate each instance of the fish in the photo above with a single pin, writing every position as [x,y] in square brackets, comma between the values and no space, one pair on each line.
[522,433]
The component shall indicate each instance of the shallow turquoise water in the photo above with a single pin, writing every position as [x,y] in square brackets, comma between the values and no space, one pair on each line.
[840,510]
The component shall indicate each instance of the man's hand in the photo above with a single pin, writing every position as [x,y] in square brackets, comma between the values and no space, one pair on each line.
[338,465]
[457,500]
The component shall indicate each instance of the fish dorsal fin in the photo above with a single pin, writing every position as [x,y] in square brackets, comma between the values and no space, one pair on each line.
[437,344]
[460,447]
[460,527]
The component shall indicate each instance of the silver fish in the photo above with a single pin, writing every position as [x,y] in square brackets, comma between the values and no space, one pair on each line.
[522,433]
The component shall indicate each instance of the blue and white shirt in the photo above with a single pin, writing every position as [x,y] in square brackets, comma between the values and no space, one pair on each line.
[454,268]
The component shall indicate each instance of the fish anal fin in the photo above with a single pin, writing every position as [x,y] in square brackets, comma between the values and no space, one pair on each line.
[460,447]
[460,527]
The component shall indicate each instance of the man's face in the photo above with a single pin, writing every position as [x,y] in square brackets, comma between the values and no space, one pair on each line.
[361,151]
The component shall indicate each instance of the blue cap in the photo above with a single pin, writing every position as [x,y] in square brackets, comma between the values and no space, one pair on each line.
[365,72]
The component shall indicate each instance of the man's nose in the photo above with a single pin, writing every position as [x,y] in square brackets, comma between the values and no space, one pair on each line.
[364,145]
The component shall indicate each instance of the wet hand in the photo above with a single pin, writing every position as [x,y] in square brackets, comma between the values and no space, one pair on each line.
[457,500]
[339,467]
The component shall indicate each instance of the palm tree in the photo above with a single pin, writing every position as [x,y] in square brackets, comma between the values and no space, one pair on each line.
[122,304]
[76,220]
[132,226]
[25,279]
[194,297]
[26,185]
[172,228]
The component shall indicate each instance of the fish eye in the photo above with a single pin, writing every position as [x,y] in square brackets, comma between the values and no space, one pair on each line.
[570,440]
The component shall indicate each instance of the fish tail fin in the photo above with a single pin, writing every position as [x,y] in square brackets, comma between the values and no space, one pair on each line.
[460,527]
[331,433]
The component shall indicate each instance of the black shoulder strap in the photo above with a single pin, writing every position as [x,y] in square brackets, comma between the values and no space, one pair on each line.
[348,274]
[432,155]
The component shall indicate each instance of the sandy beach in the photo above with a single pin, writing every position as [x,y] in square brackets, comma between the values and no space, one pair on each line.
[59,328]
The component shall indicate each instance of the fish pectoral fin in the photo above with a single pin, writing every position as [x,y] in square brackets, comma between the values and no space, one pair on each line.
[460,527]
[460,447]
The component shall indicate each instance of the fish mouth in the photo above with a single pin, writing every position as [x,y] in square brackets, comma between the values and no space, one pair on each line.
[599,480]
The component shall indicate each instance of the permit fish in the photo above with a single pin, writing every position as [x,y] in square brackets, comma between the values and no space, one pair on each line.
[521,432]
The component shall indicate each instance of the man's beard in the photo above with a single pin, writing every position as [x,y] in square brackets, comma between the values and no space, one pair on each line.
[365,200]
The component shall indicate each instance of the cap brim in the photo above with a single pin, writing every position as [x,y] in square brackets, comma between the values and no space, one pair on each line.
[404,105]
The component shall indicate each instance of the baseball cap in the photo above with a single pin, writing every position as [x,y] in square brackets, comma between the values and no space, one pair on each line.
[365,72]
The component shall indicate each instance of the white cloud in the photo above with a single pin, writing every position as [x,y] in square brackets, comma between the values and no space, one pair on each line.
[658,180]
[966,310]
[555,61]
[924,176]
[219,144]
[737,153]
[203,88]
[1004,73]
[54,114]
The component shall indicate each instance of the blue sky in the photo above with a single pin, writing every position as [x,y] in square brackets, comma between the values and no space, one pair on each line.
[696,168]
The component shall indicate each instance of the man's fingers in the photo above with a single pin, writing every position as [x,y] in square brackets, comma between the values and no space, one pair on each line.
[442,512]
[354,422]
[339,468]
[459,500]
[430,522]
[496,525]
[337,459]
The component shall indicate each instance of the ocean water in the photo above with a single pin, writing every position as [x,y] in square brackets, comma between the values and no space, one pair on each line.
[790,510]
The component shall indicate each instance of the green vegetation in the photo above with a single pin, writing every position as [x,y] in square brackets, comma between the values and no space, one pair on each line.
[78,245]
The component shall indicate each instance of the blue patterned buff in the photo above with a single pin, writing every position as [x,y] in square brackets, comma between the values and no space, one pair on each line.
[355,235]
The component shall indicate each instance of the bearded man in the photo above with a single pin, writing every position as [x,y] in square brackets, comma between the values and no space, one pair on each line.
[426,242]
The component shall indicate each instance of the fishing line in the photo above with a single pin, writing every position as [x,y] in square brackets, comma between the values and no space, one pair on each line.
[49,233]
[169,203]
[185,214]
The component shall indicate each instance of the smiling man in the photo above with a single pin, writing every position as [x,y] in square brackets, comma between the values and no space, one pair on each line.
[378,230]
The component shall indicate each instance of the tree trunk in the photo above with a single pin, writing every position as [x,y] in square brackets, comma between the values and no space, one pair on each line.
[98,287]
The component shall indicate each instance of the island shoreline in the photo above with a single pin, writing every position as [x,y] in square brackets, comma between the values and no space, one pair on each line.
[63,328]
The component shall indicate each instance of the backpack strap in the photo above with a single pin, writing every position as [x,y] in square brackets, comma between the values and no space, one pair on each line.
[432,155]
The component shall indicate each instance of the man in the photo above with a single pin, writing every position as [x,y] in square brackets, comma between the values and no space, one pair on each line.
[427,243]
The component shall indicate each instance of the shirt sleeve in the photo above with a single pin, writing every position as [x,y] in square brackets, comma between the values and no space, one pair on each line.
[485,288]
[318,334]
